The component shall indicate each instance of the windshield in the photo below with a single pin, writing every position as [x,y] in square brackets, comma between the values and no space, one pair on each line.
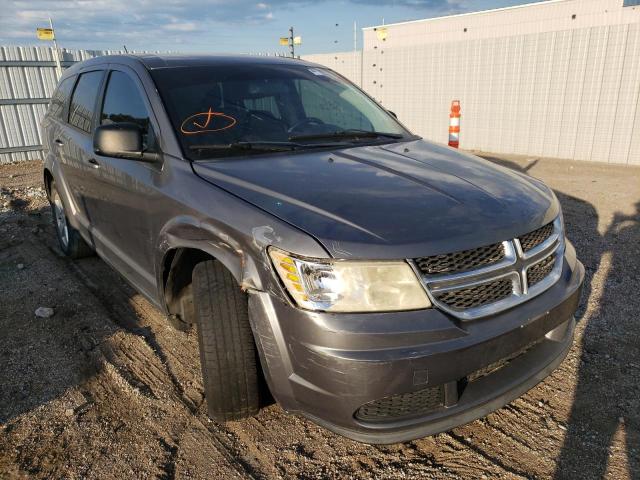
[236,109]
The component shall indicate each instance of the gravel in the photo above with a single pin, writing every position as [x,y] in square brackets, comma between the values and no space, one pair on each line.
[105,388]
[44,312]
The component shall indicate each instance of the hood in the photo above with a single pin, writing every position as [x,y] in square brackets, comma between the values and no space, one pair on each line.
[401,200]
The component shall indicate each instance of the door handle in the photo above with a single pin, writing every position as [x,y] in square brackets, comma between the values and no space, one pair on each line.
[93,162]
[59,142]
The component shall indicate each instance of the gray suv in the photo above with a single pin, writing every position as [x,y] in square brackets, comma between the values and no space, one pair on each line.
[383,286]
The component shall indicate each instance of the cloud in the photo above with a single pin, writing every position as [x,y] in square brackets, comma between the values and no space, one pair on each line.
[433,5]
[181,27]
[160,24]
[88,22]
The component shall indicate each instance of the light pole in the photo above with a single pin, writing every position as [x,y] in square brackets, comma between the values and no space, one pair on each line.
[55,45]
[291,41]
[291,46]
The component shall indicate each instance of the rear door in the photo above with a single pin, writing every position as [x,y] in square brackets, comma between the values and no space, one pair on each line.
[124,190]
[75,144]
[56,145]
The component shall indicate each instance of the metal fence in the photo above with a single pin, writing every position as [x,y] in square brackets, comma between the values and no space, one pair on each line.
[28,77]
[567,93]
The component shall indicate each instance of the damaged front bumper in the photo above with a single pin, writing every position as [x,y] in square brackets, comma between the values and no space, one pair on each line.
[393,377]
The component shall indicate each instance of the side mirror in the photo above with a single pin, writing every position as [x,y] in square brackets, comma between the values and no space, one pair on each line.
[121,140]
[393,113]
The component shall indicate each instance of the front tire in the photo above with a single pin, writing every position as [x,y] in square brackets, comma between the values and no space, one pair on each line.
[228,353]
[71,242]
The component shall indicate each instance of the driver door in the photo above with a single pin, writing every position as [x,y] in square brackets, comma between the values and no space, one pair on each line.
[124,190]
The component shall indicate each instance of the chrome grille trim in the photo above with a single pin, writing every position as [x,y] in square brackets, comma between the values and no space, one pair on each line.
[514,265]
[461,261]
[530,240]
[484,293]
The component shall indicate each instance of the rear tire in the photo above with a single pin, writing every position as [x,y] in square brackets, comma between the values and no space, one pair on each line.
[71,242]
[228,353]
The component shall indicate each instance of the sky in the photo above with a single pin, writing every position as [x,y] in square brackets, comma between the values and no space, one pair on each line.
[242,26]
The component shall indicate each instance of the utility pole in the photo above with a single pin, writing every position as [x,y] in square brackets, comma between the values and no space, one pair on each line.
[291,46]
[291,41]
[355,36]
[55,46]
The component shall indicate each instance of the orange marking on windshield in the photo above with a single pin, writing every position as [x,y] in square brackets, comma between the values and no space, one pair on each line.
[200,122]
[209,115]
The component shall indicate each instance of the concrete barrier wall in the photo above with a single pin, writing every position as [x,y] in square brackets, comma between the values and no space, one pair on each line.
[556,79]
[348,64]
[568,94]
[535,80]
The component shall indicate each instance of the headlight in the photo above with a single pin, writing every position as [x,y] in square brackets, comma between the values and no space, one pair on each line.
[349,286]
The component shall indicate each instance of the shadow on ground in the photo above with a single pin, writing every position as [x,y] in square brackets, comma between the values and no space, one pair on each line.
[43,358]
[607,398]
[130,419]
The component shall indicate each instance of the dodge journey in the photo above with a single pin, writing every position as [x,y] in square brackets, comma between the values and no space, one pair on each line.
[381,285]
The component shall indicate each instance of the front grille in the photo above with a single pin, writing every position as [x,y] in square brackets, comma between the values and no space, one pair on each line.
[402,405]
[535,238]
[499,364]
[461,261]
[477,296]
[463,283]
[539,271]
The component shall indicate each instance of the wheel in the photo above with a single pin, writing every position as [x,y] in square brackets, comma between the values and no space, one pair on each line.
[228,354]
[71,242]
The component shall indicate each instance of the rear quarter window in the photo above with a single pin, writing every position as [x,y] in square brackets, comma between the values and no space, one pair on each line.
[60,98]
[83,101]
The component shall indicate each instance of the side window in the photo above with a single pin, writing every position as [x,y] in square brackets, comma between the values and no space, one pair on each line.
[84,99]
[123,103]
[60,98]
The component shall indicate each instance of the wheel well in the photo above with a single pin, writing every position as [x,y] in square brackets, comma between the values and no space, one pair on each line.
[177,271]
[178,293]
[48,177]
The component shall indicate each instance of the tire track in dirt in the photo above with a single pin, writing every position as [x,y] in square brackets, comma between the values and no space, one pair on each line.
[260,445]
[112,300]
[140,359]
[137,406]
[133,363]
[250,439]
[490,457]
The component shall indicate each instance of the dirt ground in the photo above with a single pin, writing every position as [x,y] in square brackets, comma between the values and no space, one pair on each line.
[105,388]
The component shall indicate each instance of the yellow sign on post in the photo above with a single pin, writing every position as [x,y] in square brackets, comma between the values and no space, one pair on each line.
[49,34]
[45,34]
[284,41]
[297,40]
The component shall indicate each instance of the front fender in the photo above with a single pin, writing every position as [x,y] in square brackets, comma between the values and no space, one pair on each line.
[190,232]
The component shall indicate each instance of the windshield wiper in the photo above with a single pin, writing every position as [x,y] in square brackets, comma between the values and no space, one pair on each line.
[261,146]
[257,146]
[350,133]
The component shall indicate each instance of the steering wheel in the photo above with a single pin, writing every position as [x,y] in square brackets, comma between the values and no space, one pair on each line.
[263,114]
[270,117]
[307,121]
